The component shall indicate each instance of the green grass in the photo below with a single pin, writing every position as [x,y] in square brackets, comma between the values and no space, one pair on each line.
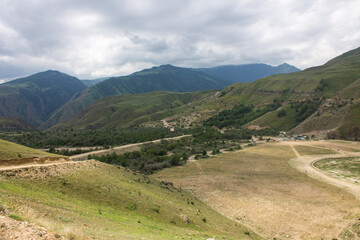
[127,110]
[348,167]
[351,127]
[111,203]
[9,150]
[287,117]
[16,217]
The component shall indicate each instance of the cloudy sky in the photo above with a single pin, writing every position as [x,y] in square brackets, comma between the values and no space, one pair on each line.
[93,38]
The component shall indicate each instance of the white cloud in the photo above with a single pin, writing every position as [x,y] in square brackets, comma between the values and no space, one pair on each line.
[90,38]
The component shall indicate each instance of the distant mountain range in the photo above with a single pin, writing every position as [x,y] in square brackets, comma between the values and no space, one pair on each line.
[247,72]
[91,82]
[48,98]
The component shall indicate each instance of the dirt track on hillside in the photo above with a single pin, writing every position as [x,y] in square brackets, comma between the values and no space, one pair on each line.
[127,148]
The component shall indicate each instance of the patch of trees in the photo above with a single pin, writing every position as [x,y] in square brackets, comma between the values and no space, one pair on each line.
[281,113]
[305,109]
[156,156]
[322,85]
[69,152]
[239,115]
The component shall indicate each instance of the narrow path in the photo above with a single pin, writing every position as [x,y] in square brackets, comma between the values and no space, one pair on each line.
[34,165]
[84,156]
[305,164]
[198,165]
[295,151]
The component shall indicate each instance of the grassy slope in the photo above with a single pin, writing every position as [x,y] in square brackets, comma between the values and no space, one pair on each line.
[110,203]
[272,119]
[126,110]
[308,150]
[9,150]
[351,126]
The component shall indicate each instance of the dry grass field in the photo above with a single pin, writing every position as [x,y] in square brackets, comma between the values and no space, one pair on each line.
[256,186]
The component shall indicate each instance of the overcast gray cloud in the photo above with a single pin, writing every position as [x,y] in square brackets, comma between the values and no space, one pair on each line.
[91,38]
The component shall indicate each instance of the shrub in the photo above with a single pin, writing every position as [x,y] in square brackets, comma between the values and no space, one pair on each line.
[281,113]
[16,217]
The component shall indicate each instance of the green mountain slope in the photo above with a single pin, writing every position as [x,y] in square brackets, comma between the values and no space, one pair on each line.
[132,109]
[36,97]
[93,200]
[163,78]
[247,72]
[14,124]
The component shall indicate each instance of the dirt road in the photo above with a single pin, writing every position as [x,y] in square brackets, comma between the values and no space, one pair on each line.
[305,164]
[84,156]
[34,165]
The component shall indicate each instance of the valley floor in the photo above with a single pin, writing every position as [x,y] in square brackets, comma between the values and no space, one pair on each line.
[260,188]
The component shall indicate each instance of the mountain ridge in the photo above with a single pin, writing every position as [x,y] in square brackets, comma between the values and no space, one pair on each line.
[247,72]
[36,97]
[162,78]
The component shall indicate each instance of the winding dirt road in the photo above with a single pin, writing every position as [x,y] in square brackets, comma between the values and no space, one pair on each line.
[84,156]
[305,164]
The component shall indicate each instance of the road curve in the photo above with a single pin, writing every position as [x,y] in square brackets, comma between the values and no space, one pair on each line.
[305,164]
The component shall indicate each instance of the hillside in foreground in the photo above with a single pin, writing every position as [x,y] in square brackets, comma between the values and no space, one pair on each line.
[99,201]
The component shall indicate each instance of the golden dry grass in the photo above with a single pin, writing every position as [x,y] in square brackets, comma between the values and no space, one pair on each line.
[257,187]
